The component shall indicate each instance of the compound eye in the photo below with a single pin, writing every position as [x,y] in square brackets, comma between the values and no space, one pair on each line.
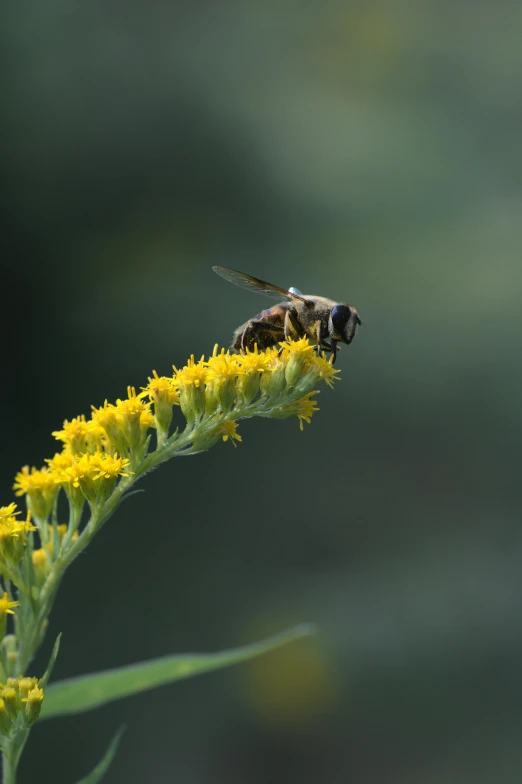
[340,316]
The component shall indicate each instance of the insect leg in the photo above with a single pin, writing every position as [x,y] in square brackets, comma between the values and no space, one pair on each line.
[292,326]
[319,338]
[333,349]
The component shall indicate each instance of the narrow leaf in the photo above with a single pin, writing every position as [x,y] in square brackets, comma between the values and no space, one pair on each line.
[100,770]
[86,692]
[47,674]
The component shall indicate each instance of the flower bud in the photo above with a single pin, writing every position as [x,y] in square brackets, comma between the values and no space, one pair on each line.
[33,705]
[42,563]
[10,699]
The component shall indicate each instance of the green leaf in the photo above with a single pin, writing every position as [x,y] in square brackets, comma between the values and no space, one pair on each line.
[86,692]
[100,770]
[47,674]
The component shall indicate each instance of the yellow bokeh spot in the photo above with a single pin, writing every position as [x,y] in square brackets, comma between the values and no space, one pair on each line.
[292,685]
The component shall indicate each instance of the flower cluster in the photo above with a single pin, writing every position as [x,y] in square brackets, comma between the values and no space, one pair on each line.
[20,703]
[113,443]
[102,455]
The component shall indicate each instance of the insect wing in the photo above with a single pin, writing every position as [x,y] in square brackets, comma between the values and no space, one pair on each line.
[254,284]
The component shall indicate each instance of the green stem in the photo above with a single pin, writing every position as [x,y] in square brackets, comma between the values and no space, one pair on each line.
[8,770]
[9,762]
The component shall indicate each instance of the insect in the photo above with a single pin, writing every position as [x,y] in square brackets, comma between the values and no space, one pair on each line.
[322,320]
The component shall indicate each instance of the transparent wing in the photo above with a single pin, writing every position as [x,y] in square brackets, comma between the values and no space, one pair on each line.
[254,284]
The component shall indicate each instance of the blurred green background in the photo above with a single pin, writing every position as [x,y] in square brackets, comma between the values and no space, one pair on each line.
[366,151]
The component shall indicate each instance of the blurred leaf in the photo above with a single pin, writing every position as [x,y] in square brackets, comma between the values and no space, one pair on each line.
[86,692]
[100,770]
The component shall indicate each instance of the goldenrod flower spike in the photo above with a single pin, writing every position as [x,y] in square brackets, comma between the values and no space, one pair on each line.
[103,456]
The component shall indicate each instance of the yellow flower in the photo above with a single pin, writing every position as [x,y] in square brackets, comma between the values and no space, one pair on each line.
[5,610]
[40,488]
[255,361]
[10,698]
[299,347]
[161,389]
[6,605]
[273,380]
[326,370]
[252,365]
[8,511]
[75,434]
[222,366]
[33,704]
[33,695]
[60,461]
[296,354]
[147,420]
[42,562]
[191,380]
[110,467]
[77,480]
[5,719]
[134,418]
[222,370]
[79,472]
[229,431]
[132,407]
[13,538]
[40,557]
[192,374]
[303,408]
[25,684]
[96,437]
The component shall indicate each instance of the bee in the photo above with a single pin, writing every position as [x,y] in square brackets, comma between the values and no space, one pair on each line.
[322,320]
